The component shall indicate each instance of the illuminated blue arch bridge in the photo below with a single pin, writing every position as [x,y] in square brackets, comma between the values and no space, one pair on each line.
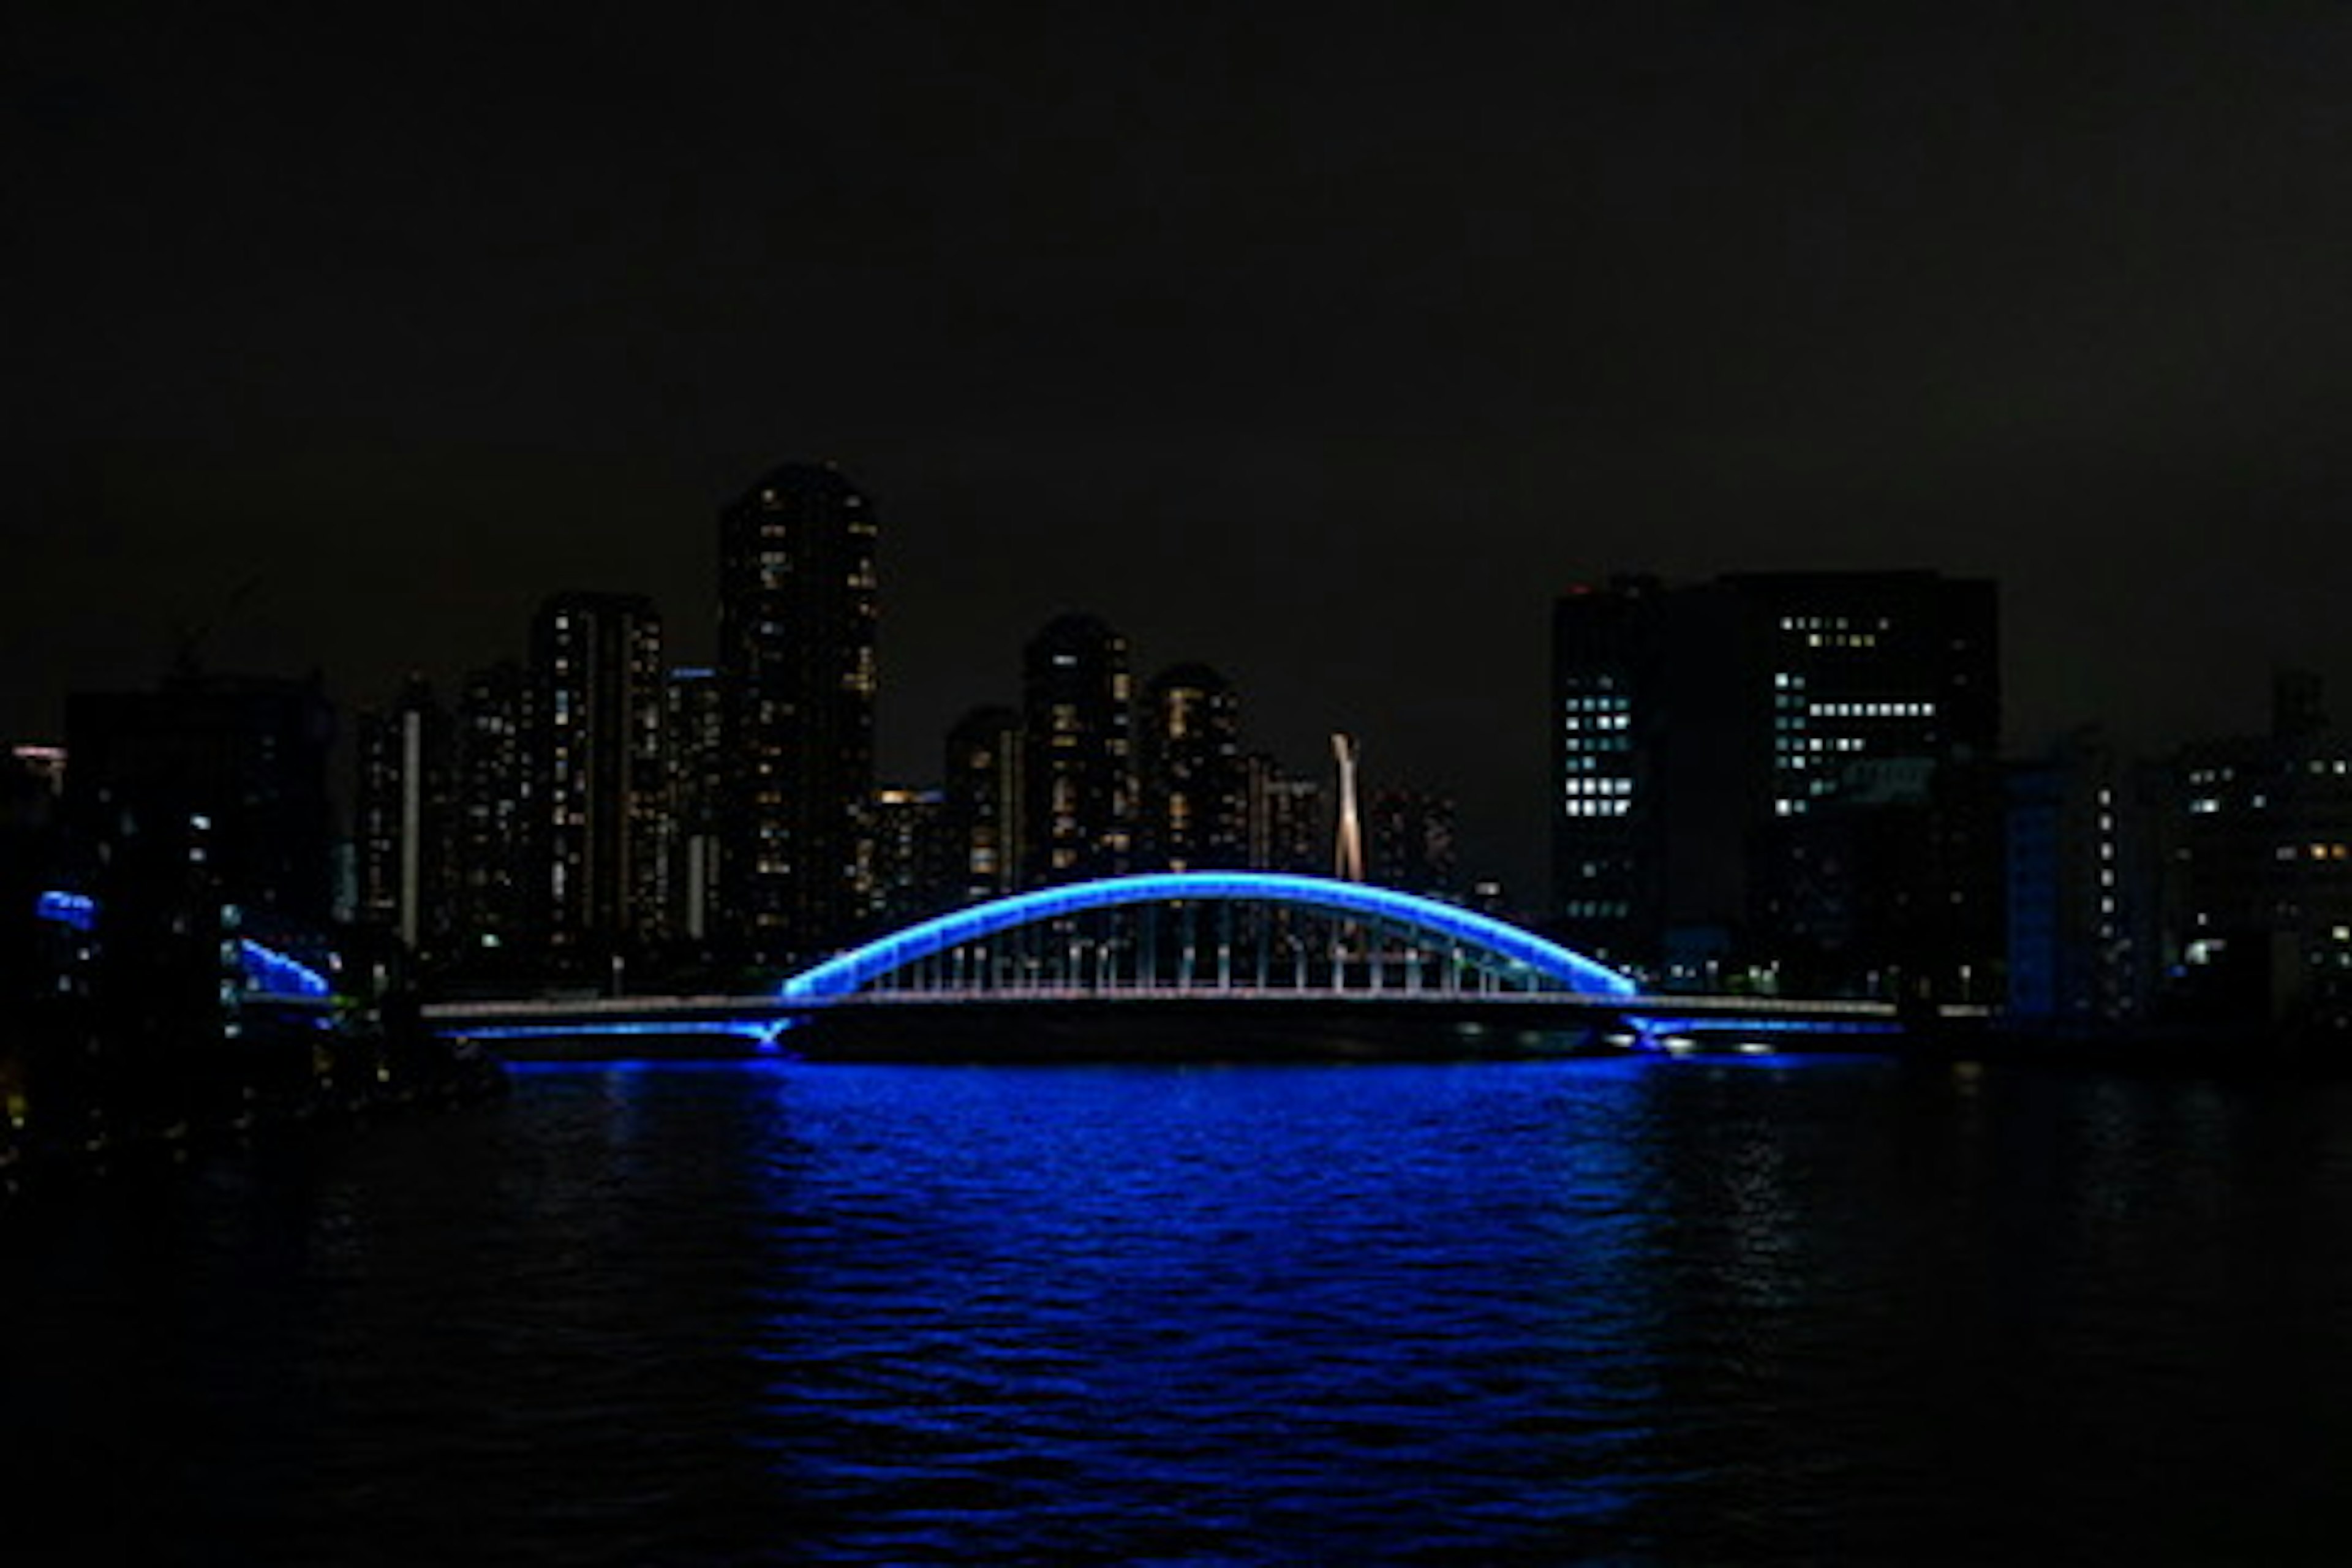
[1285,962]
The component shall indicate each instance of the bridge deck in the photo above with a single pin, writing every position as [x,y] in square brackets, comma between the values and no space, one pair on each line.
[871,1015]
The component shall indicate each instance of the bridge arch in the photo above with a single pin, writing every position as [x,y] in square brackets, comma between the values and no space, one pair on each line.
[1546,962]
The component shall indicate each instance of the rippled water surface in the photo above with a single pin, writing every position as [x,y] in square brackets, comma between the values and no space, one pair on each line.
[1637,1311]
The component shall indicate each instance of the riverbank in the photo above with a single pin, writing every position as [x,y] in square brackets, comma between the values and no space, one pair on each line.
[97,1136]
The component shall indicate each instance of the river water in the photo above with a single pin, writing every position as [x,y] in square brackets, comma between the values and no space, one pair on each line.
[1698,1310]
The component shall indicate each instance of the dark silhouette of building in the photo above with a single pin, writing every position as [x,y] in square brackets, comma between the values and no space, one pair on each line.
[797,618]
[2256,841]
[197,816]
[1411,843]
[1285,823]
[981,806]
[600,785]
[2084,874]
[1079,765]
[240,761]
[1791,777]
[32,860]
[1193,785]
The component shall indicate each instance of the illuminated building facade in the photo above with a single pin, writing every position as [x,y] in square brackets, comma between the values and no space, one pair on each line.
[1793,775]
[905,872]
[1608,649]
[600,806]
[1885,867]
[492,880]
[693,716]
[981,806]
[1078,756]
[2256,847]
[1193,787]
[798,606]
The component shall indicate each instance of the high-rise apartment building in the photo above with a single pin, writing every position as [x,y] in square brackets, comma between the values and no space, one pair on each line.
[798,602]
[981,806]
[1079,765]
[1793,773]
[695,717]
[907,876]
[493,879]
[600,806]
[1193,787]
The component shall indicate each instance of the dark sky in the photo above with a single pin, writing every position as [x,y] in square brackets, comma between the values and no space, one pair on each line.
[1326,349]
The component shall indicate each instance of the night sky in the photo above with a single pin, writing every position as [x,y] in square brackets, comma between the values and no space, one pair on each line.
[1325,349]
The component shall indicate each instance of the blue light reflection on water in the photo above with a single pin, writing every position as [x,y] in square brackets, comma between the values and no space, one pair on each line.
[1621,1311]
[1259,1308]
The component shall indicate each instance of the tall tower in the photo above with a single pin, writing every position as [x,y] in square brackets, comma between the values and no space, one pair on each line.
[602,805]
[1078,774]
[797,616]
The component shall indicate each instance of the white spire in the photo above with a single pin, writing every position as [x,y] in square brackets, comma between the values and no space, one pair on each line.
[1349,859]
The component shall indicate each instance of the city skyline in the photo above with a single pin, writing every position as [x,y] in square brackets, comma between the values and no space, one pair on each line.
[1329,357]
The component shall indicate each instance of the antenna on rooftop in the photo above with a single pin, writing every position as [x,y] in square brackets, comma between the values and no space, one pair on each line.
[187,653]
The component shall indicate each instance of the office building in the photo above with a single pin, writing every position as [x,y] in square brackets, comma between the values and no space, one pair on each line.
[2256,845]
[906,867]
[1783,778]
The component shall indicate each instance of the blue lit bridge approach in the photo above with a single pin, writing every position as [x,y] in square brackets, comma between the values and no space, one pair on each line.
[1188,964]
